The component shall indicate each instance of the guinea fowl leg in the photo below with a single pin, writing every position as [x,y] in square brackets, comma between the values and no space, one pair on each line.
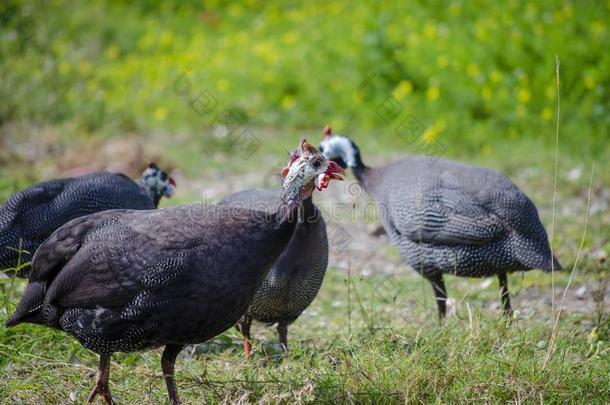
[101,381]
[438,285]
[508,311]
[168,359]
[282,331]
[245,331]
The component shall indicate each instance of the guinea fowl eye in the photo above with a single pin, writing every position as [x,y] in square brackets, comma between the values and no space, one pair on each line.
[316,164]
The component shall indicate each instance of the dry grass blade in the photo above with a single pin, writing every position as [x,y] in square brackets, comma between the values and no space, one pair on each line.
[557,62]
[551,349]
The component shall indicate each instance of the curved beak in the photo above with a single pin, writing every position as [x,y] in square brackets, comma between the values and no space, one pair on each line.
[334,171]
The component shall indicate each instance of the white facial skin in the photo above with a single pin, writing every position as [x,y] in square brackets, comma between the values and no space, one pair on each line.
[152,180]
[339,146]
[308,168]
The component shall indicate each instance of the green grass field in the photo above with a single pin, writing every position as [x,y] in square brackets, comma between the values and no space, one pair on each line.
[112,85]
[388,351]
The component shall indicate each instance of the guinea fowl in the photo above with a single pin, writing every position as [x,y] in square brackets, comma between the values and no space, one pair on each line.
[32,214]
[296,277]
[125,280]
[450,217]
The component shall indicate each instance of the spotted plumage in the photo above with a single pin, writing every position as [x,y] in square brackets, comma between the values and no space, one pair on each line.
[296,277]
[447,217]
[31,215]
[127,280]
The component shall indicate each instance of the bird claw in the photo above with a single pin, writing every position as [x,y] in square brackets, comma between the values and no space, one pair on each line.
[103,390]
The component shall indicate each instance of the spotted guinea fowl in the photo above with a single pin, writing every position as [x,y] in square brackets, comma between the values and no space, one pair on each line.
[125,280]
[296,277]
[32,214]
[447,217]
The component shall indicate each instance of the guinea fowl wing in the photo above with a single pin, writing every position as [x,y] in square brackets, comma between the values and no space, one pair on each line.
[257,199]
[437,209]
[25,204]
[134,263]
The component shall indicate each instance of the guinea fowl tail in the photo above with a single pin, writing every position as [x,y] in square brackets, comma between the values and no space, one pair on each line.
[555,267]
[545,264]
[30,306]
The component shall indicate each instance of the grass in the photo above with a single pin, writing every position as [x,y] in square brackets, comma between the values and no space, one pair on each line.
[401,355]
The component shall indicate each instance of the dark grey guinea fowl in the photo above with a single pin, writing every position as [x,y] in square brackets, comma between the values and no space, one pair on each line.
[31,215]
[296,277]
[447,217]
[124,280]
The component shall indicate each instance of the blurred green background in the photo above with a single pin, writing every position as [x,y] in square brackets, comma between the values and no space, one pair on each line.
[475,74]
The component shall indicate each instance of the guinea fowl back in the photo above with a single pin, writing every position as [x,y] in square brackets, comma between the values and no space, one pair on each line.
[443,202]
[32,214]
[138,256]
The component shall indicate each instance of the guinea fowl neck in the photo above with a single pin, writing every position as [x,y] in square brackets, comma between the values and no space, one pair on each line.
[156,200]
[286,215]
[296,206]
[307,212]
[150,192]
[359,169]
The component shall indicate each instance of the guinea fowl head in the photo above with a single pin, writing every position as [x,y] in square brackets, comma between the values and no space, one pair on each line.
[307,169]
[340,149]
[157,183]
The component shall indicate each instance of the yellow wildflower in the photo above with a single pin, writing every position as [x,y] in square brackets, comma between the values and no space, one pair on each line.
[523,95]
[472,70]
[480,30]
[589,82]
[547,113]
[486,93]
[404,87]
[495,76]
[433,93]
[288,102]
[597,27]
[160,113]
[430,30]
[431,133]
